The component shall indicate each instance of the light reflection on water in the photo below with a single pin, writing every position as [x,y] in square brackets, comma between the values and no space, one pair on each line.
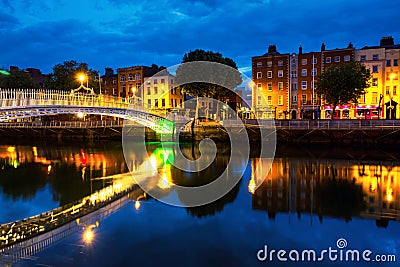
[304,202]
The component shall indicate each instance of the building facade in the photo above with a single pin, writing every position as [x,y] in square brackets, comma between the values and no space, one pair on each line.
[110,82]
[270,75]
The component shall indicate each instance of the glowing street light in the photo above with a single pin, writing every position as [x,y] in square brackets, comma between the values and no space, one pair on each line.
[81,78]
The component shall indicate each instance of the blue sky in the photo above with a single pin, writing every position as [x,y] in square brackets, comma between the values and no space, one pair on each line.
[122,33]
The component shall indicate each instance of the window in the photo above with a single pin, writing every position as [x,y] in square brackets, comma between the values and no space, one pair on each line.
[294,86]
[388,63]
[259,100]
[395,62]
[394,89]
[362,99]
[346,58]
[328,60]
[138,77]
[375,68]
[280,86]
[162,80]
[269,100]
[259,64]
[130,77]
[314,99]
[156,103]
[363,57]
[149,103]
[314,84]
[130,86]
[337,58]
[163,102]
[387,90]
[114,81]
[280,63]
[304,85]
[269,85]
[269,63]
[304,99]
[304,72]
[269,74]
[374,98]
[293,73]
[155,90]
[304,61]
[374,81]
[172,81]
[155,81]
[375,57]
[259,75]
[114,91]
[123,78]
[314,72]
[314,61]
[280,73]
[148,90]
[259,86]
[280,100]
[294,99]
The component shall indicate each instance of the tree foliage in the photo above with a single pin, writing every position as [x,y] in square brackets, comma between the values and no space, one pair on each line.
[65,76]
[227,76]
[343,84]
[17,79]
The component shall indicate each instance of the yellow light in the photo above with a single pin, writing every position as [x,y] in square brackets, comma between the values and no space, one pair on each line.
[11,149]
[392,76]
[80,115]
[48,169]
[137,204]
[252,186]
[389,194]
[88,236]
[81,77]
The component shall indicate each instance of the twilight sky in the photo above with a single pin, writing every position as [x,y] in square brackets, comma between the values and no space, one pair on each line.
[122,33]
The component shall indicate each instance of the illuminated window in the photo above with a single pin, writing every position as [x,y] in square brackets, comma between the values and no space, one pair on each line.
[123,78]
[304,72]
[269,63]
[304,61]
[280,73]
[155,90]
[280,85]
[328,60]
[259,86]
[375,57]
[138,76]
[387,90]
[259,100]
[269,100]
[394,89]
[163,102]
[374,98]
[155,81]
[130,77]
[362,99]
[363,58]
[304,99]
[337,58]
[149,90]
[346,58]
[269,74]
[374,81]
[259,75]
[114,91]
[294,99]
[280,100]
[304,85]
[314,99]
[156,103]
[149,103]
[269,85]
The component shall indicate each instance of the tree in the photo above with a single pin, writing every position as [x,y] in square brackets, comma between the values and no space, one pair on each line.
[343,84]
[211,90]
[16,78]
[65,76]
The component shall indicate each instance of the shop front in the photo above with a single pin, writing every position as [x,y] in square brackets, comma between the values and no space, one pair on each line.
[368,112]
[341,112]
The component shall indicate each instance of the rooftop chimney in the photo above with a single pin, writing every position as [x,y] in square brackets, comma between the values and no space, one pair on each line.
[387,41]
[300,50]
[322,47]
[272,49]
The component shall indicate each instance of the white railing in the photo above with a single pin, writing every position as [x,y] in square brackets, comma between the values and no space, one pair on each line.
[62,124]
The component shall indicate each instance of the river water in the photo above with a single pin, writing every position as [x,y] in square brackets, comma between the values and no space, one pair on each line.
[333,199]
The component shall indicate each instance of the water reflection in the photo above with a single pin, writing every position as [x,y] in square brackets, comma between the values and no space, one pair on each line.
[334,188]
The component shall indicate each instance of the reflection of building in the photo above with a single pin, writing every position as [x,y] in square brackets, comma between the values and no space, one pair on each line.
[292,186]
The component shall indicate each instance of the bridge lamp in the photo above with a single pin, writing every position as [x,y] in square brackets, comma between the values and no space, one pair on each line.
[81,78]
[80,115]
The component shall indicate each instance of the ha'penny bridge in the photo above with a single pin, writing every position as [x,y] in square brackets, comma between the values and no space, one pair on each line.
[17,105]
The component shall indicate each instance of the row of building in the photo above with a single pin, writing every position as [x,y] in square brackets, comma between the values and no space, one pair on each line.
[284,84]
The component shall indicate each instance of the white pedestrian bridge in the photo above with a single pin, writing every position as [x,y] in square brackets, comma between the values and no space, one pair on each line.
[27,103]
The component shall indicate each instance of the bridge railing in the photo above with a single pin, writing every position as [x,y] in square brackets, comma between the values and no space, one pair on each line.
[62,124]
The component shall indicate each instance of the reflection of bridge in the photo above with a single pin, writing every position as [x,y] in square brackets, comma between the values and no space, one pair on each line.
[20,104]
